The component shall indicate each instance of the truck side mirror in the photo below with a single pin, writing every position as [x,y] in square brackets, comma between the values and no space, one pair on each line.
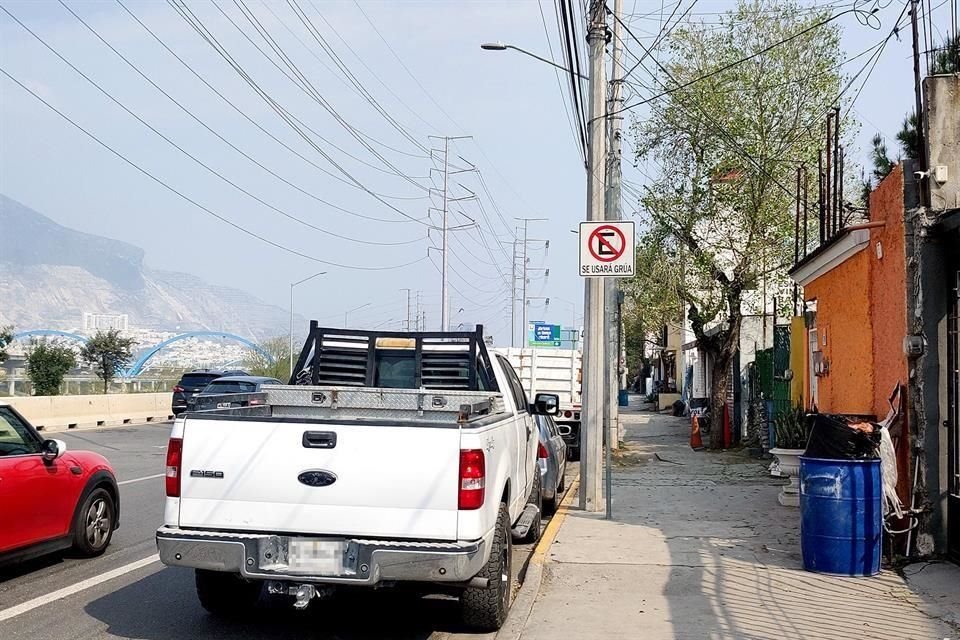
[547,404]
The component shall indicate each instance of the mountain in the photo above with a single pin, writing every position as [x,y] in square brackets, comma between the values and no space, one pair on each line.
[50,275]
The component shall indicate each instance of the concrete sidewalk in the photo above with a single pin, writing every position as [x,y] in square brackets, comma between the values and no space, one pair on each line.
[700,548]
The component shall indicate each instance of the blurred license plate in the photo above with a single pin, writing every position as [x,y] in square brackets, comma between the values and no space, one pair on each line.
[322,557]
[224,405]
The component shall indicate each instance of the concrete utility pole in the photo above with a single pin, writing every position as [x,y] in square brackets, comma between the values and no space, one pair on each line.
[613,212]
[594,360]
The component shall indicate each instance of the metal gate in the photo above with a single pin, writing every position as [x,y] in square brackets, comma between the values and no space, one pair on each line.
[953,412]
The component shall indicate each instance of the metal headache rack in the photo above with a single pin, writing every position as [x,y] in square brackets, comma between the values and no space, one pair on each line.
[392,359]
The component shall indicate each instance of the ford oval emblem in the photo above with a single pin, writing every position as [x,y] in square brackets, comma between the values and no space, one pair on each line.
[317,478]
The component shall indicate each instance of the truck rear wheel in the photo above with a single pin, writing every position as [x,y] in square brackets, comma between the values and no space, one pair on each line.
[485,608]
[226,594]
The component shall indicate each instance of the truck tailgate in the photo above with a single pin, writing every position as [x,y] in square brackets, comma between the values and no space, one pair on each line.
[387,481]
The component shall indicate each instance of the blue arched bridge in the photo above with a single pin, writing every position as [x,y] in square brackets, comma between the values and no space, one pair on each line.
[138,365]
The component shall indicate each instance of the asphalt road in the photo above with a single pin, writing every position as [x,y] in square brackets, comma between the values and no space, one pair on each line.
[127,593]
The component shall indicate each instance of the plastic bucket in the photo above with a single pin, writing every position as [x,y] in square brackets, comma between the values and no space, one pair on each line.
[623,399]
[841,516]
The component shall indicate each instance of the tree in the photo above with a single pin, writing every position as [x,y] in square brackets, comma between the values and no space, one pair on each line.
[47,364]
[6,337]
[650,303]
[947,58]
[107,352]
[277,365]
[721,211]
[909,137]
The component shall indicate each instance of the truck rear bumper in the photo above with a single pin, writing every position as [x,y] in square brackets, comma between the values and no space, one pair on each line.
[345,561]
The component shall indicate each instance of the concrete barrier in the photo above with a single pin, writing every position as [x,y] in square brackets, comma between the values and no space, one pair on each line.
[55,413]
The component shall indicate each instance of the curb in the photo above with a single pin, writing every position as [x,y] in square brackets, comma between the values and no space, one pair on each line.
[522,607]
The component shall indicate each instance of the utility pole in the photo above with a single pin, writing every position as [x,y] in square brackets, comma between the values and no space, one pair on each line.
[524,276]
[444,293]
[444,228]
[613,212]
[918,95]
[594,360]
[406,326]
[513,297]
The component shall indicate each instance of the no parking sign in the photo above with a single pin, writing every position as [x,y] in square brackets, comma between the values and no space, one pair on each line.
[607,249]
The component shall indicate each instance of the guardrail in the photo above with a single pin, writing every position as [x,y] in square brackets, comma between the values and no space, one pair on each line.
[54,413]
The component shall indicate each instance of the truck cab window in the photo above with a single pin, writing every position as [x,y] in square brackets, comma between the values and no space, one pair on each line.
[516,389]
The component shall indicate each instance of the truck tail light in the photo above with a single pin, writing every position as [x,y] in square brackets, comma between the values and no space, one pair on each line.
[542,451]
[174,459]
[473,471]
[177,389]
[567,413]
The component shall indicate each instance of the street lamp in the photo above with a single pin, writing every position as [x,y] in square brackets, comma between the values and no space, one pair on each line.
[347,313]
[292,285]
[499,46]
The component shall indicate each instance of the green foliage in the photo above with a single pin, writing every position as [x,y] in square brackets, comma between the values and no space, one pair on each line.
[909,137]
[259,365]
[947,58]
[6,337]
[650,302]
[791,428]
[720,212]
[47,364]
[882,164]
[107,352]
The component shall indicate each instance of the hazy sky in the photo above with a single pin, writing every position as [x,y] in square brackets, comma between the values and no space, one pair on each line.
[426,74]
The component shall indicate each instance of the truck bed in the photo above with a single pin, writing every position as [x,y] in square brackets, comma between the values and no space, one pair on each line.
[342,461]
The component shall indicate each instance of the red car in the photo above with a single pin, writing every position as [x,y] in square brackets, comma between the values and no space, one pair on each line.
[51,499]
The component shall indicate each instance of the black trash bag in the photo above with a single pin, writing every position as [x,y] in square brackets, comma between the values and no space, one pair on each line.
[832,437]
[679,408]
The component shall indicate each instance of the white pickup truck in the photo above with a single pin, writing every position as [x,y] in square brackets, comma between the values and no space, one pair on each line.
[392,457]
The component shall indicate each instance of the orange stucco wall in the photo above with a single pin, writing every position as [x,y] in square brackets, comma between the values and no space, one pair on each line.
[888,288]
[861,311]
[844,336]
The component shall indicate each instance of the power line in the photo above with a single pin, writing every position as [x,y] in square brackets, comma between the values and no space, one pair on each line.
[304,84]
[177,146]
[721,132]
[556,74]
[315,33]
[212,41]
[183,196]
[730,65]
[564,21]
[260,127]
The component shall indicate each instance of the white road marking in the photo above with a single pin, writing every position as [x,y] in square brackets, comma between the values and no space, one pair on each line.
[156,475]
[59,594]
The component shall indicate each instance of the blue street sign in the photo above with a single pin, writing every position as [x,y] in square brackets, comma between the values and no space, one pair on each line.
[541,334]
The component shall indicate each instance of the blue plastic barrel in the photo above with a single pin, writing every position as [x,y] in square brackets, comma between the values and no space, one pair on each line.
[841,516]
[623,398]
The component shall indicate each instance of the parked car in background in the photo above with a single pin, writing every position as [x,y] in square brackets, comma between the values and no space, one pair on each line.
[51,499]
[193,383]
[552,460]
[229,385]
